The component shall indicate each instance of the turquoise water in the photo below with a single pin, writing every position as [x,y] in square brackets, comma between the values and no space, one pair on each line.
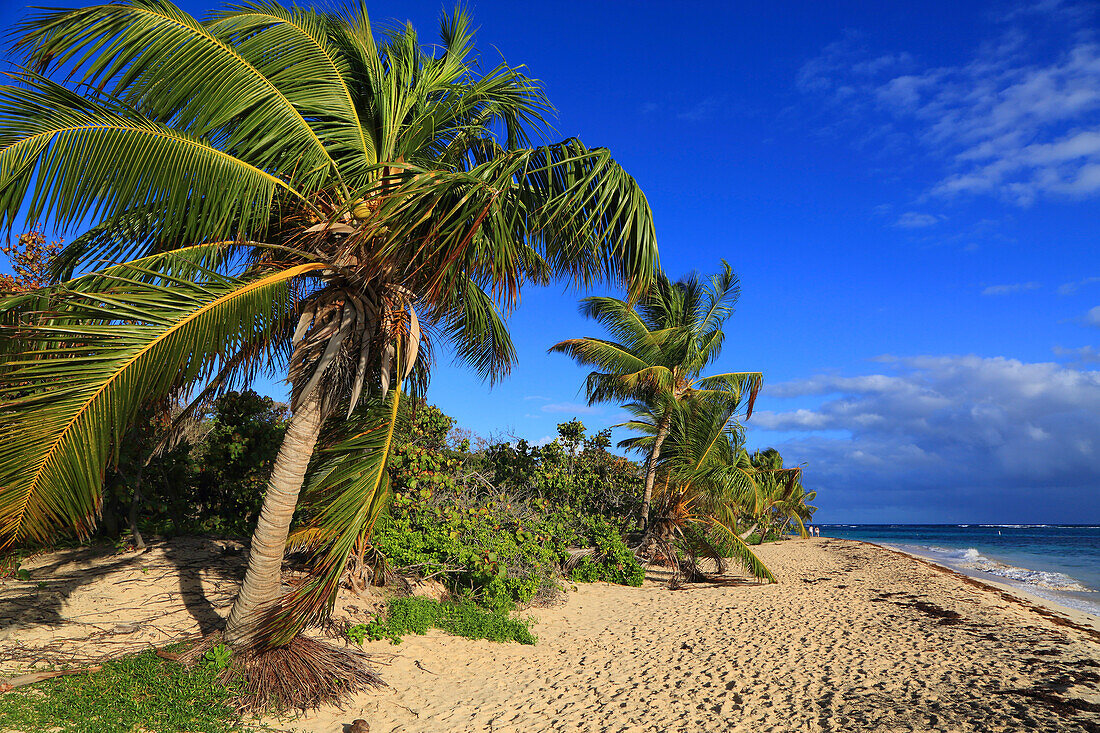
[1060,562]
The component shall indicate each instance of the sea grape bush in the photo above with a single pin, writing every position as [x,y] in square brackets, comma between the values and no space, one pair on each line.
[495,555]
[235,457]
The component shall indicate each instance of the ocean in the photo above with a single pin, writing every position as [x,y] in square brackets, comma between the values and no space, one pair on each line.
[1059,562]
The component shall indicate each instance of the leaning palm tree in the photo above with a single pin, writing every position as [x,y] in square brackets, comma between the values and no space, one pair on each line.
[274,190]
[658,350]
[705,484]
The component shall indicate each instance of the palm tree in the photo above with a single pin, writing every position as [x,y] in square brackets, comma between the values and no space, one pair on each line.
[284,193]
[659,351]
[783,498]
[706,482]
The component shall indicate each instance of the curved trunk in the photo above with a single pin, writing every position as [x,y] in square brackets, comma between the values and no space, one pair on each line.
[651,465]
[262,584]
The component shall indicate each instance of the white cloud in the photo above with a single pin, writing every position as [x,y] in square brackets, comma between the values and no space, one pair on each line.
[1092,318]
[1010,289]
[1020,119]
[1081,354]
[703,110]
[962,431]
[914,220]
[577,408]
[1072,287]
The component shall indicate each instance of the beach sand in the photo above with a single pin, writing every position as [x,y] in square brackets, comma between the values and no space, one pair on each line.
[854,637]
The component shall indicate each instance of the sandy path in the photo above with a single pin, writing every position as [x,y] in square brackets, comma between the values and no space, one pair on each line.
[853,638]
[838,645]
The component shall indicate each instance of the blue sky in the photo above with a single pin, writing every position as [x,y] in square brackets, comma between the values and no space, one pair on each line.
[909,194]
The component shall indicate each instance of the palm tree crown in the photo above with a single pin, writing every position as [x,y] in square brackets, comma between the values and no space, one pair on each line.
[658,350]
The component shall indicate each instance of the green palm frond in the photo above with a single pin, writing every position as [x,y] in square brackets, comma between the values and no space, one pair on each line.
[90,375]
[732,387]
[574,205]
[743,553]
[160,60]
[478,334]
[60,155]
[622,323]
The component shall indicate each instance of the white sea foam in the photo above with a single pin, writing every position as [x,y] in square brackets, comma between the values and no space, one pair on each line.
[1016,526]
[971,559]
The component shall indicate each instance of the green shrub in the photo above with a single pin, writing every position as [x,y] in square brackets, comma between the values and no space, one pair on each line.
[415,615]
[498,559]
[498,554]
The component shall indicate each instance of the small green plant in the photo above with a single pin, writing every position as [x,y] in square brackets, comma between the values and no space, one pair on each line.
[415,615]
[142,692]
[217,657]
[23,574]
[357,633]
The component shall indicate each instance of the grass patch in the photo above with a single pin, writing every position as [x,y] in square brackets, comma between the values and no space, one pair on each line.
[140,693]
[415,615]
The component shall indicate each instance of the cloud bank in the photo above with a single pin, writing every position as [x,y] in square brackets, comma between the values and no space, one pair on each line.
[948,438]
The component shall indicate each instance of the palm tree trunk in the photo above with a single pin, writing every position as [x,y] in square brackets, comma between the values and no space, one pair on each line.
[262,585]
[135,505]
[651,465]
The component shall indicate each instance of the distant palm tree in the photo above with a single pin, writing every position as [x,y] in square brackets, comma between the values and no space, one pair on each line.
[706,482]
[783,499]
[658,350]
[285,193]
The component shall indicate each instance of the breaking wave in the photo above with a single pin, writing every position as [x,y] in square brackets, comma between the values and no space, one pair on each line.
[971,559]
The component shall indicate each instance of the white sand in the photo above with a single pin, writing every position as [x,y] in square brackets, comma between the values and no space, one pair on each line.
[837,645]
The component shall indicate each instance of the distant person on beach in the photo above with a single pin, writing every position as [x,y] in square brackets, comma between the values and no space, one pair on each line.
[817,531]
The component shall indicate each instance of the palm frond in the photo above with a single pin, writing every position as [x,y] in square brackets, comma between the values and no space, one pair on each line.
[160,60]
[90,375]
[743,553]
[60,157]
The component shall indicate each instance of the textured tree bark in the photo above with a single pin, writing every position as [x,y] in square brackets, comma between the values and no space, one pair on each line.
[135,504]
[651,466]
[262,584]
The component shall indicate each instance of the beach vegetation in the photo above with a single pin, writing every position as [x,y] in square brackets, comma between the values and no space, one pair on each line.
[706,485]
[141,692]
[417,615]
[501,544]
[31,259]
[332,225]
[657,350]
[783,502]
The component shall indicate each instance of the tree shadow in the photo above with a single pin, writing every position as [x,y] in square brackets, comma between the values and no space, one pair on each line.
[40,600]
[227,564]
[180,571]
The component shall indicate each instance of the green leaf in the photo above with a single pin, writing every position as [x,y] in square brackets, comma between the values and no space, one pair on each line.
[85,369]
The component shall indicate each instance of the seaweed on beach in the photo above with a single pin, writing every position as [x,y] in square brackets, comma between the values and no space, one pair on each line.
[946,616]
[1051,616]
